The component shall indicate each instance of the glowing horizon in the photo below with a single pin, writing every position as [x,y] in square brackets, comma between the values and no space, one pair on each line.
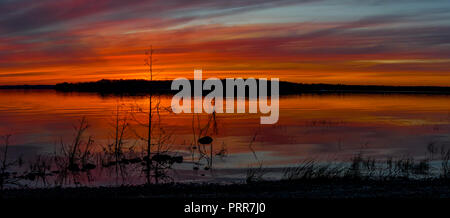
[329,41]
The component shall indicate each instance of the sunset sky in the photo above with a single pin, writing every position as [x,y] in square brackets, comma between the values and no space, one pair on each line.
[402,42]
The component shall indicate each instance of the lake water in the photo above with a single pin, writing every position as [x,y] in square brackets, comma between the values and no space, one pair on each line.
[327,127]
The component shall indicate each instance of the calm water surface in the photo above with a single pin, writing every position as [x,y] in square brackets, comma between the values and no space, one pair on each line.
[323,127]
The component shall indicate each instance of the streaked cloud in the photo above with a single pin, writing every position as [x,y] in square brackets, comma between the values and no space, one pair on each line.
[305,41]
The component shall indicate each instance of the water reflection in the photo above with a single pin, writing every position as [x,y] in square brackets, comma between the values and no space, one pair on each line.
[328,127]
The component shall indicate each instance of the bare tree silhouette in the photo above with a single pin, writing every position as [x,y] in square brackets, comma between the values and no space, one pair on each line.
[149,63]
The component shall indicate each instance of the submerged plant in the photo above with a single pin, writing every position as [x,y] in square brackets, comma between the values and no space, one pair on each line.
[75,158]
[7,177]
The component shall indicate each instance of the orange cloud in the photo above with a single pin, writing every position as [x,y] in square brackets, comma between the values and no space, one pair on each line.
[98,42]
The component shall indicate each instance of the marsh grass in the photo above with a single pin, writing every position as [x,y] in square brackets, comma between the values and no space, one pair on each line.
[445,164]
[368,168]
[310,169]
[255,174]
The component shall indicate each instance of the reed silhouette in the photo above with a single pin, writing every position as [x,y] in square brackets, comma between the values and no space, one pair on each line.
[6,177]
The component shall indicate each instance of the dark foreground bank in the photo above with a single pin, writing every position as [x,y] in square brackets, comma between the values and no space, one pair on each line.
[323,198]
[312,189]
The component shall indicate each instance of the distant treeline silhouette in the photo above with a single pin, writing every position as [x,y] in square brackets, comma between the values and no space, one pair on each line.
[118,86]
[28,87]
[131,87]
[145,86]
